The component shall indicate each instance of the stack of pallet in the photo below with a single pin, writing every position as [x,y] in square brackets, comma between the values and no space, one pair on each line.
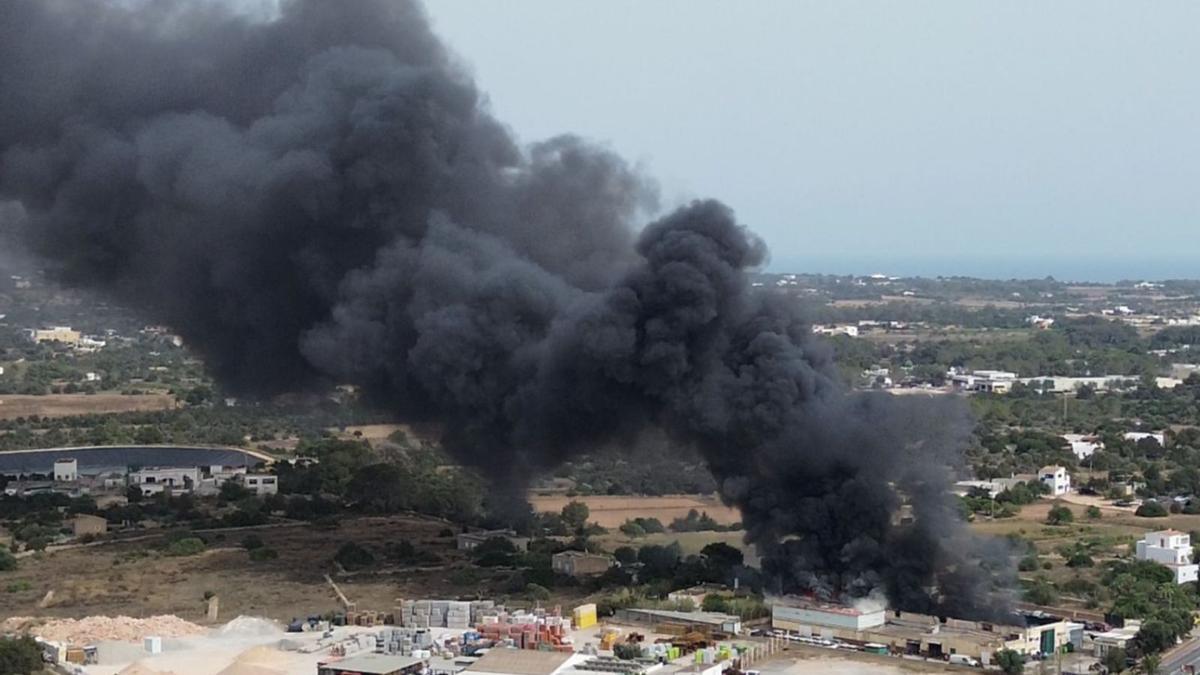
[458,615]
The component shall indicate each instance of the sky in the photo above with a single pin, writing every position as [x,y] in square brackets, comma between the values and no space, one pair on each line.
[993,139]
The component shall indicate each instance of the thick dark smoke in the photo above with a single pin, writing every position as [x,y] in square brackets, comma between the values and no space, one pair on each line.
[323,197]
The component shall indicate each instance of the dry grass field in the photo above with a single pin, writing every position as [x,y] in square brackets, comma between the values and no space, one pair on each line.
[612,510]
[120,578]
[65,405]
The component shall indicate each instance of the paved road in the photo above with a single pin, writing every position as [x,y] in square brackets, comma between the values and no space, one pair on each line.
[1186,654]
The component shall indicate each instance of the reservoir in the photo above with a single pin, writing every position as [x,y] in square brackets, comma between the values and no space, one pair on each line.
[104,459]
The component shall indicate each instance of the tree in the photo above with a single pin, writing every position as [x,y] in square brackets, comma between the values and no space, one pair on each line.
[20,656]
[714,603]
[1041,592]
[1151,509]
[1114,660]
[575,515]
[133,494]
[1059,515]
[1151,663]
[1011,662]
[722,557]
[8,562]
[1155,636]
[625,555]
[495,552]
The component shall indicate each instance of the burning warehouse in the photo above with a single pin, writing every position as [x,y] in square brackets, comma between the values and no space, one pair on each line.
[323,197]
[918,634]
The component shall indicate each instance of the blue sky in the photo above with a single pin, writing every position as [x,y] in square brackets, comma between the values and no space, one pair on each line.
[989,138]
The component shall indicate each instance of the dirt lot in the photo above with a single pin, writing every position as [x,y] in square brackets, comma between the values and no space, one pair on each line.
[612,511]
[118,579]
[64,405]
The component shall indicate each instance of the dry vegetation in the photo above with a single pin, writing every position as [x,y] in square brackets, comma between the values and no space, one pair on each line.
[122,578]
[66,405]
[612,510]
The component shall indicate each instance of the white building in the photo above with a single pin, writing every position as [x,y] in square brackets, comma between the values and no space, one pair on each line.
[185,478]
[964,487]
[260,483]
[1136,436]
[850,331]
[1171,548]
[801,614]
[993,381]
[66,470]
[1082,445]
[1056,478]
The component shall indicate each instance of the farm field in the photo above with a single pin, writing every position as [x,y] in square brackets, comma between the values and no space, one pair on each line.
[612,510]
[66,405]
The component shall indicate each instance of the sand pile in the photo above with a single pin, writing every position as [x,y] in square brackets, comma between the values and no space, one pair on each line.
[249,627]
[140,668]
[259,661]
[97,628]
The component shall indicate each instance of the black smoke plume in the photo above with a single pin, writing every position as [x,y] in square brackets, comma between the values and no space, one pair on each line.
[323,197]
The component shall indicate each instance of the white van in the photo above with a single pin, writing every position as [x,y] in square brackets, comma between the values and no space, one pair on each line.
[963,660]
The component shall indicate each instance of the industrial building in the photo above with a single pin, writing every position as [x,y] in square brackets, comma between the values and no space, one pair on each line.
[373,664]
[165,478]
[668,621]
[991,381]
[905,633]
[1171,548]
[799,615]
[502,661]
[580,564]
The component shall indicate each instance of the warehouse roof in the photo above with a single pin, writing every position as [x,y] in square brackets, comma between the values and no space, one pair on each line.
[519,662]
[373,664]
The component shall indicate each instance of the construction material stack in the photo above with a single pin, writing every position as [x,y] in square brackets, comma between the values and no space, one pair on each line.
[584,616]
[539,630]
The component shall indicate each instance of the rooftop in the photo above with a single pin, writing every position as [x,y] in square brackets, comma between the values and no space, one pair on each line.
[373,664]
[689,617]
[519,662]
[817,605]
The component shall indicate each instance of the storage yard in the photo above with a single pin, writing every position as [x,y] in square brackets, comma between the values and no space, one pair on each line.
[501,641]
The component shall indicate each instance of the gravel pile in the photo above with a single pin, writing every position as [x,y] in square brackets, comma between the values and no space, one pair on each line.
[99,628]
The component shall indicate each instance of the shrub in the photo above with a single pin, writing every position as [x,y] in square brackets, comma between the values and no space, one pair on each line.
[1010,662]
[1028,564]
[185,547]
[1059,515]
[537,592]
[627,651]
[20,656]
[263,554]
[8,562]
[1151,509]
[351,556]
[1093,512]
[251,542]
[1080,559]
[18,586]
